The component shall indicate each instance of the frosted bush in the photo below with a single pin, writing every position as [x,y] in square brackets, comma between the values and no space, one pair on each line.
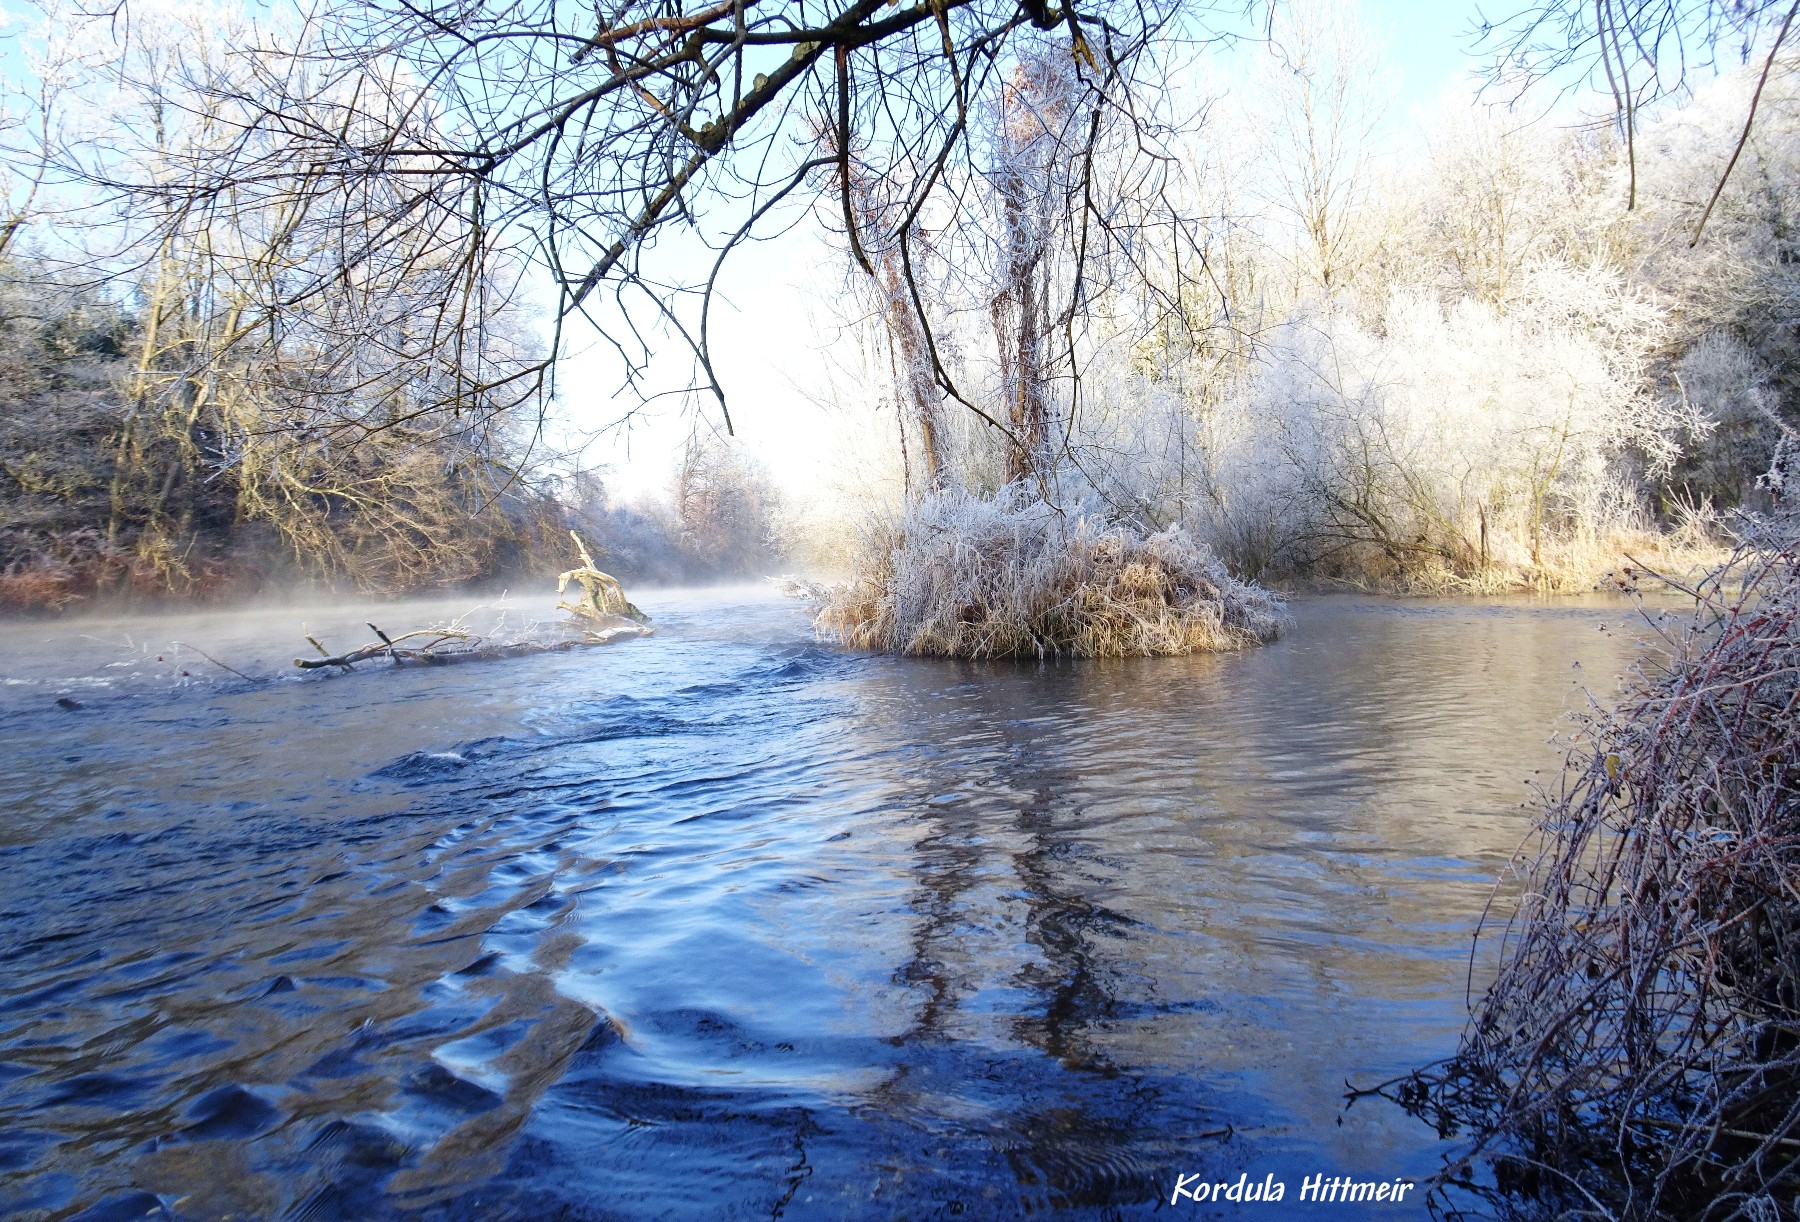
[1732,405]
[1723,382]
[1460,437]
[1007,576]
[1133,447]
[1736,293]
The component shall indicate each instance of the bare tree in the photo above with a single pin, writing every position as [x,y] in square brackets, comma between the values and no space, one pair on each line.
[1030,135]
[588,140]
[912,351]
[724,507]
[32,109]
[1059,235]
[1643,51]
[1321,98]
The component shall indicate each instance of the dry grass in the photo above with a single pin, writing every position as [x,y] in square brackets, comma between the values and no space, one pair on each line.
[1011,577]
[1631,561]
[1639,1054]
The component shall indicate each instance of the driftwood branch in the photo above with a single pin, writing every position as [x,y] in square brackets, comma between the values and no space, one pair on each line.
[602,597]
[602,615]
[431,651]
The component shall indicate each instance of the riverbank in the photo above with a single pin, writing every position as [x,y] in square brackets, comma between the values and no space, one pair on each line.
[1660,901]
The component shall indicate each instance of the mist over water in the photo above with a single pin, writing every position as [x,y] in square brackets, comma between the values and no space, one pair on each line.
[727,921]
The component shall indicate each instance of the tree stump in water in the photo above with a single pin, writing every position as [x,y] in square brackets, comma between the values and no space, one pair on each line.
[603,599]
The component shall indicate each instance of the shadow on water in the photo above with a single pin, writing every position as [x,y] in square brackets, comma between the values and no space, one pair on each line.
[726,921]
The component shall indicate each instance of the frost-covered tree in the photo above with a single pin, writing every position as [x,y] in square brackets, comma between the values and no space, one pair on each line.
[726,507]
[1320,95]
[1435,441]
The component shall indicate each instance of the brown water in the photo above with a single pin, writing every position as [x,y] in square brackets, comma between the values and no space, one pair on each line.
[729,923]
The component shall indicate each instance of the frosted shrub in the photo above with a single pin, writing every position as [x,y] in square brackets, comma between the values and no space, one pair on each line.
[1728,390]
[1736,294]
[1454,440]
[1133,445]
[958,575]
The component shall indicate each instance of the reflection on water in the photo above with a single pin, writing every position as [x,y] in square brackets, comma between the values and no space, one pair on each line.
[728,922]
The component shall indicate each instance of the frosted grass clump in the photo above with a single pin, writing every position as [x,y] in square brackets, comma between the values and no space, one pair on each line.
[961,575]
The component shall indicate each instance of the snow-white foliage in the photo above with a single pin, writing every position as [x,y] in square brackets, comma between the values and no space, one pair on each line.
[1464,435]
[1723,382]
[1736,293]
[1517,367]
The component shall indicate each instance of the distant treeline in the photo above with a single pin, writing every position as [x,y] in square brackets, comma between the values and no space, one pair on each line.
[113,486]
[1504,358]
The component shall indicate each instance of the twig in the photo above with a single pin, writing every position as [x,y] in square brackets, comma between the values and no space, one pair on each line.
[1748,120]
[384,640]
[234,670]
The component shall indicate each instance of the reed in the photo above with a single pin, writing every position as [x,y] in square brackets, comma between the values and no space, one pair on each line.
[1011,576]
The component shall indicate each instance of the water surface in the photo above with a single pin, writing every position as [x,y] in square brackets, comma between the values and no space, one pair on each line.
[727,922]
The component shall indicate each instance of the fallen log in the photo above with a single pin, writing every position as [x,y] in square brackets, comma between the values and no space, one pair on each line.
[602,615]
[459,645]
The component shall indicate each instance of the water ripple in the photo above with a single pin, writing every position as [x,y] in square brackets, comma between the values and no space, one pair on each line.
[728,921]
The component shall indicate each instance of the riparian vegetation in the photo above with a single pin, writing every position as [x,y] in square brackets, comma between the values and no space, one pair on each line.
[266,313]
[207,391]
[1638,1055]
[1141,337]
[1489,357]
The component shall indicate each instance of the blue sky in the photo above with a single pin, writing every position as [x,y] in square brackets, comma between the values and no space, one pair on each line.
[1428,42]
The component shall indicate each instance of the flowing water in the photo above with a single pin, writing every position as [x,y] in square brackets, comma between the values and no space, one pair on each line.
[729,923]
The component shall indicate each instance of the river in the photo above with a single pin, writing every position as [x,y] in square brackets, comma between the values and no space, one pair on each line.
[727,922]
